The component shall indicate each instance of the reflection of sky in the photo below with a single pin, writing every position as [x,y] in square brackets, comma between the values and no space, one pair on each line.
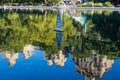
[36,68]
[58,20]
[59,39]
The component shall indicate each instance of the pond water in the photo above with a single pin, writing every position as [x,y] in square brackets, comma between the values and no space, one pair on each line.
[59,45]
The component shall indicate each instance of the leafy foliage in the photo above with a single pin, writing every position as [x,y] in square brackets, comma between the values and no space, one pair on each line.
[33,27]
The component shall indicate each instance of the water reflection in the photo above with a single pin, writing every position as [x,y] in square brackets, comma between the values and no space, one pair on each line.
[59,59]
[81,18]
[58,29]
[28,51]
[12,56]
[83,32]
[93,67]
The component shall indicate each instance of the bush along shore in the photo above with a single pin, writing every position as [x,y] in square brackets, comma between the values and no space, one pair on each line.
[92,4]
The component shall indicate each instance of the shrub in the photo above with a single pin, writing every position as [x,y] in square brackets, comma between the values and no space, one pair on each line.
[98,5]
[79,5]
[88,4]
[91,4]
[108,4]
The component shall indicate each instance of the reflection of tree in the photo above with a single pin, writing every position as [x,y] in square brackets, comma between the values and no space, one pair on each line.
[18,28]
[106,38]
[107,26]
[101,35]
[34,27]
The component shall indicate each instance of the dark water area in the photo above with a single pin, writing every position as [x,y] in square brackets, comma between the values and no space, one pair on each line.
[59,45]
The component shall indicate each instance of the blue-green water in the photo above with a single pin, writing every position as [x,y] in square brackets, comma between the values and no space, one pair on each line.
[87,48]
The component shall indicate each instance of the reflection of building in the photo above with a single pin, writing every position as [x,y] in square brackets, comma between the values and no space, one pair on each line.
[92,66]
[59,59]
[79,17]
[49,58]
[27,51]
[11,56]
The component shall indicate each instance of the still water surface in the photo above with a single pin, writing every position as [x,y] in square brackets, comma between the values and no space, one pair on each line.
[65,45]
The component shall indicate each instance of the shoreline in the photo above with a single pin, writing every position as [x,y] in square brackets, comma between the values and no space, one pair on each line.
[61,7]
